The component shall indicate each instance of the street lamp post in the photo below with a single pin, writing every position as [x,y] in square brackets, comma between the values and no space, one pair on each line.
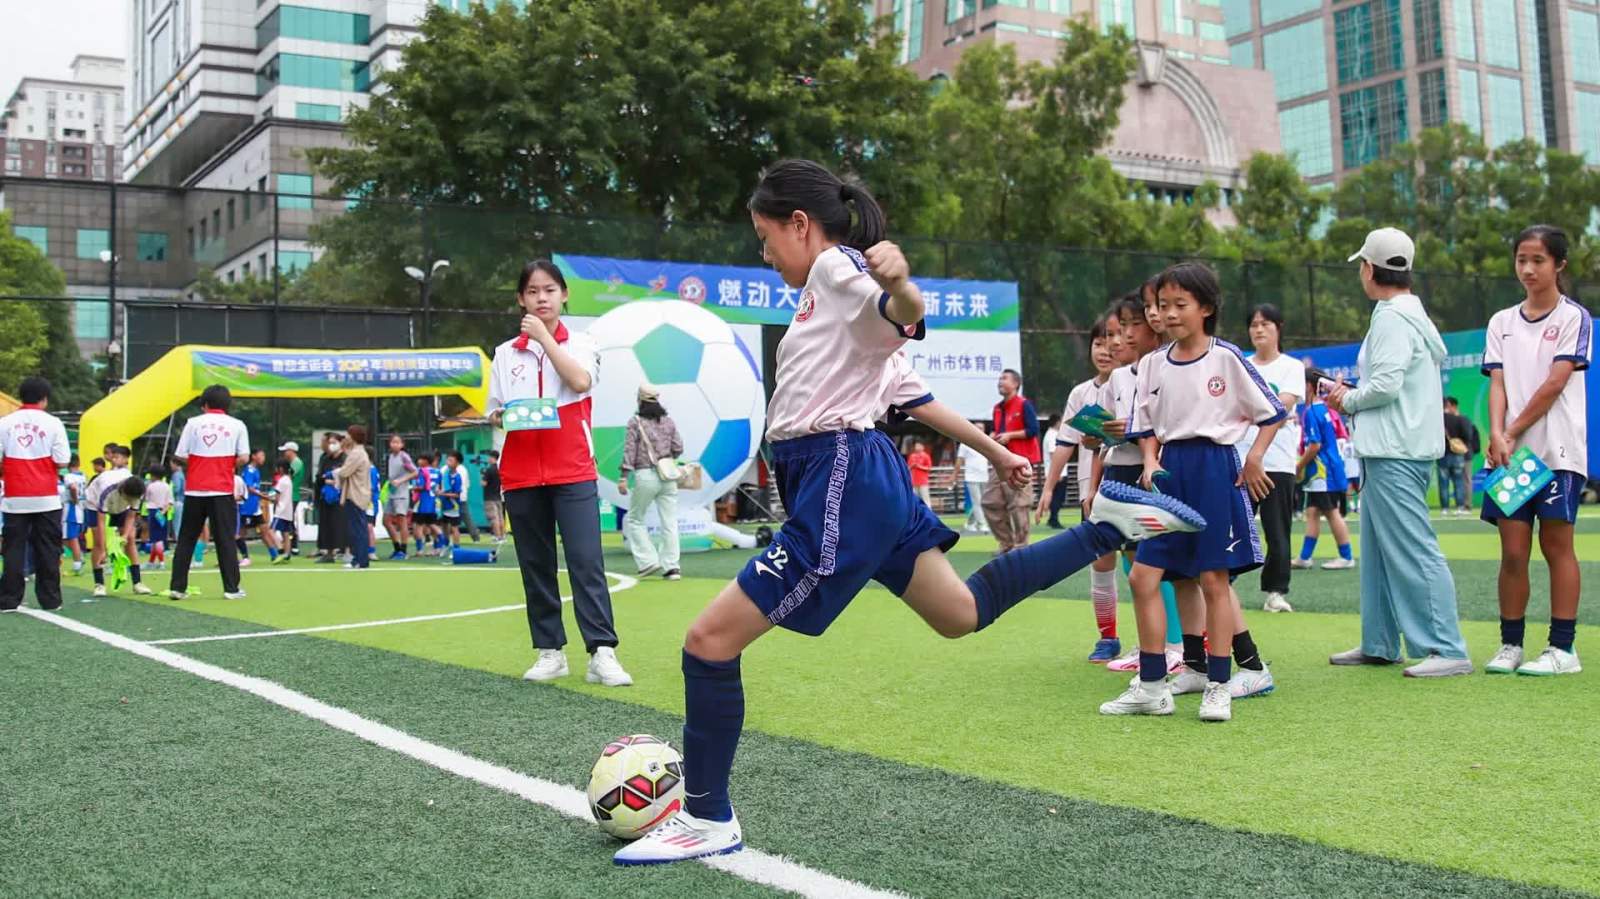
[109,257]
[425,284]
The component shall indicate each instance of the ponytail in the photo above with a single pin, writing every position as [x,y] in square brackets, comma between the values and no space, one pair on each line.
[801,185]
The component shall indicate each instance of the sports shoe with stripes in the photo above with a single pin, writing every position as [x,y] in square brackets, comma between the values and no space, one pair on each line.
[1140,514]
[680,838]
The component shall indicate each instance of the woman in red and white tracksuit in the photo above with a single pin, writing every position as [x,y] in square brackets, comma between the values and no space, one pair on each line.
[548,476]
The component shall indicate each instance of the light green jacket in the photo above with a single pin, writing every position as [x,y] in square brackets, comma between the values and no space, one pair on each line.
[1399,405]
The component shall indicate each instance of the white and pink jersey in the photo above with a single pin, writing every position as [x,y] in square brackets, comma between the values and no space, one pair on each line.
[33,446]
[1116,397]
[902,388]
[831,364]
[1218,397]
[1080,396]
[1524,350]
[212,442]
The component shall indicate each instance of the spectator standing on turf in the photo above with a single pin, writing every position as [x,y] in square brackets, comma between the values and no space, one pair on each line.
[1285,375]
[212,445]
[492,507]
[549,476]
[921,465]
[354,479]
[397,508]
[330,516]
[1406,586]
[974,476]
[33,447]
[1016,427]
[290,451]
[1320,469]
[1460,446]
[651,436]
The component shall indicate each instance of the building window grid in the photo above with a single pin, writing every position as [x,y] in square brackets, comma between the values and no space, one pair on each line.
[1243,54]
[1586,138]
[1368,40]
[914,33]
[1500,36]
[1430,31]
[310,24]
[38,235]
[294,191]
[956,10]
[1433,99]
[1538,24]
[152,246]
[92,242]
[1279,10]
[1237,16]
[1371,121]
[297,70]
[1471,100]
[91,318]
[1118,12]
[1466,30]
[1585,31]
[1308,138]
[1505,109]
[1297,66]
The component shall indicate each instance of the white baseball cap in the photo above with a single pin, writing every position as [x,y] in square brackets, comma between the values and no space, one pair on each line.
[1388,248]
[291,445]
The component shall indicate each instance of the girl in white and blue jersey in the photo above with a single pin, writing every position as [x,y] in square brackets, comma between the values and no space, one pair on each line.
[854,516]
[1195,399]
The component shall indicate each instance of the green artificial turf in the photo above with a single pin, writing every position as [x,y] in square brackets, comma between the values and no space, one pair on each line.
[139,780]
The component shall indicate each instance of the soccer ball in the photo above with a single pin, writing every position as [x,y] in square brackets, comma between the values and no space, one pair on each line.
[710,385]
[637,784]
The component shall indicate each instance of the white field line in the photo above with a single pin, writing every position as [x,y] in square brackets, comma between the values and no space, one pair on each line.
[751,864]
[623,583]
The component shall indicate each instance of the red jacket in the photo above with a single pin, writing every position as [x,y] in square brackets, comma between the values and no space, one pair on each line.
[1016,414]
[545,458]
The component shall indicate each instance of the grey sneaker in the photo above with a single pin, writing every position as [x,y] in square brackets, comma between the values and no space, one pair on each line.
[1357,657]
[1439,666]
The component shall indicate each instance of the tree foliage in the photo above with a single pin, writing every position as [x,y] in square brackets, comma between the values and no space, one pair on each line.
[38,338]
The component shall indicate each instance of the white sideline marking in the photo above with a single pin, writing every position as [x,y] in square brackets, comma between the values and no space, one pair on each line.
[623,583]
[751,864]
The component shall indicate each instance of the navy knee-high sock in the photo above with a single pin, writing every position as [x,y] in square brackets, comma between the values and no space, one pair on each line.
[1009,579]
[713,717]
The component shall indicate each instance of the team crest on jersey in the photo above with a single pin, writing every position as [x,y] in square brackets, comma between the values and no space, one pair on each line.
[808,305]
[1551,333]
[517,370]
[692,290]
[1216,386]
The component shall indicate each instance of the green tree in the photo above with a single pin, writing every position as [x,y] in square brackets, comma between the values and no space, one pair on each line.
[39,338]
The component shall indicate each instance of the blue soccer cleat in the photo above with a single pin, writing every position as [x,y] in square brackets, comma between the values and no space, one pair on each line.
[1140,515]
[1106,650]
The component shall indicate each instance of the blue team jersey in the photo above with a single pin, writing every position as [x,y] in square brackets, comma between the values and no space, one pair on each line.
[452,484]
[252,481]
[1329,464]
[375,489]
[427,488]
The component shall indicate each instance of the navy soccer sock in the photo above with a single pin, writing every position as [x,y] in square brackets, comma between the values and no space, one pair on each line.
[713,717]
[1563,631]
[1009,579]
[1194,652]
[1219,669]
[1512,630]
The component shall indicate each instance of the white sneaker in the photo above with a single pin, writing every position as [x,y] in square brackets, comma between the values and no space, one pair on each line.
[237,594]
[99,590]
[1439,666]
[605,669]
[245,562]
[1138,699]
[680,838]
[1246,683]
[1186,681]
[1300,564]
[1217,703]
[1175,659]
[1551,662]
[1506,661]
[1140,515]
[175,595]
[1276,603]
[142,590]
[552,664]
[1338,564]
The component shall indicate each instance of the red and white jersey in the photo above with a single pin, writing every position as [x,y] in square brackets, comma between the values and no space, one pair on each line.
[33,447]
[1525,350]
[1216,397]
[1116,397]
[1082,395]
[831,362]
[554,456]
[213,443]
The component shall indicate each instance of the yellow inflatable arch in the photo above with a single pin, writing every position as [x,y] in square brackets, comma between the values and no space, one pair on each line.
[181,374]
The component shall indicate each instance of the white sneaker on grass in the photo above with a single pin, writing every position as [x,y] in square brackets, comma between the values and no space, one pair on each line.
[1300,564]
[1217,703]
[680,838]
[1186,681]
[552,664]
[237,594]
[176,595]
[1338,564]
[1551,662]
[1141,699]
[1506,661]
[142,590]
[1439,666]
[99,590]
[1276,603]
[1246,683]
[1140,515]
[605,669]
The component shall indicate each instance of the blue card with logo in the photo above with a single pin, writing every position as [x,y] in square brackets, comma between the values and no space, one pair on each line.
[1519,480]
[533,414]
[1090,420]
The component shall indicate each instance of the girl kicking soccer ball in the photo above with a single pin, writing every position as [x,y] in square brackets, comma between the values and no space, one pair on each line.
[1194,400]
[854,516]
[1532,354]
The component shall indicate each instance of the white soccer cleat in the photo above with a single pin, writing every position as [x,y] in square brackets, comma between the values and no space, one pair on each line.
[142,590]
[1276,603]
[1186,681]
[99,590]
[1506,661]
[680,838]
[552,664]
[1301,564]
[175,595]
[604,668]
[1217,703]
[1141,699]
[237,594]
[1338,564]
[1246,683]
[1551,662]
[1140,515]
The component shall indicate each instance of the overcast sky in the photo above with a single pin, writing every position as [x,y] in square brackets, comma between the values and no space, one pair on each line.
[40,37]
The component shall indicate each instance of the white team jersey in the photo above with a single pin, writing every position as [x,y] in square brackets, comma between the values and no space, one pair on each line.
[974,467]
[1284,374]
[80,489]
[157,495]
[33,448]
[283,502]
[1081,396]
[102,492]
[902,387]
[1116,396]
[831,362]
[1525,351]
[1216,397]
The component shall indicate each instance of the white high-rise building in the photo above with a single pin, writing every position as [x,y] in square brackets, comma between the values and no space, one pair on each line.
[65,129]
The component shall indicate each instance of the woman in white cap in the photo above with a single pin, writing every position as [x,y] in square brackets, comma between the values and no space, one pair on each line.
[651,439]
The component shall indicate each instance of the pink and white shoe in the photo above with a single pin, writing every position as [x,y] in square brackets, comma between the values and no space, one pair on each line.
[1129,662]
[680,838]
[1174,659]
